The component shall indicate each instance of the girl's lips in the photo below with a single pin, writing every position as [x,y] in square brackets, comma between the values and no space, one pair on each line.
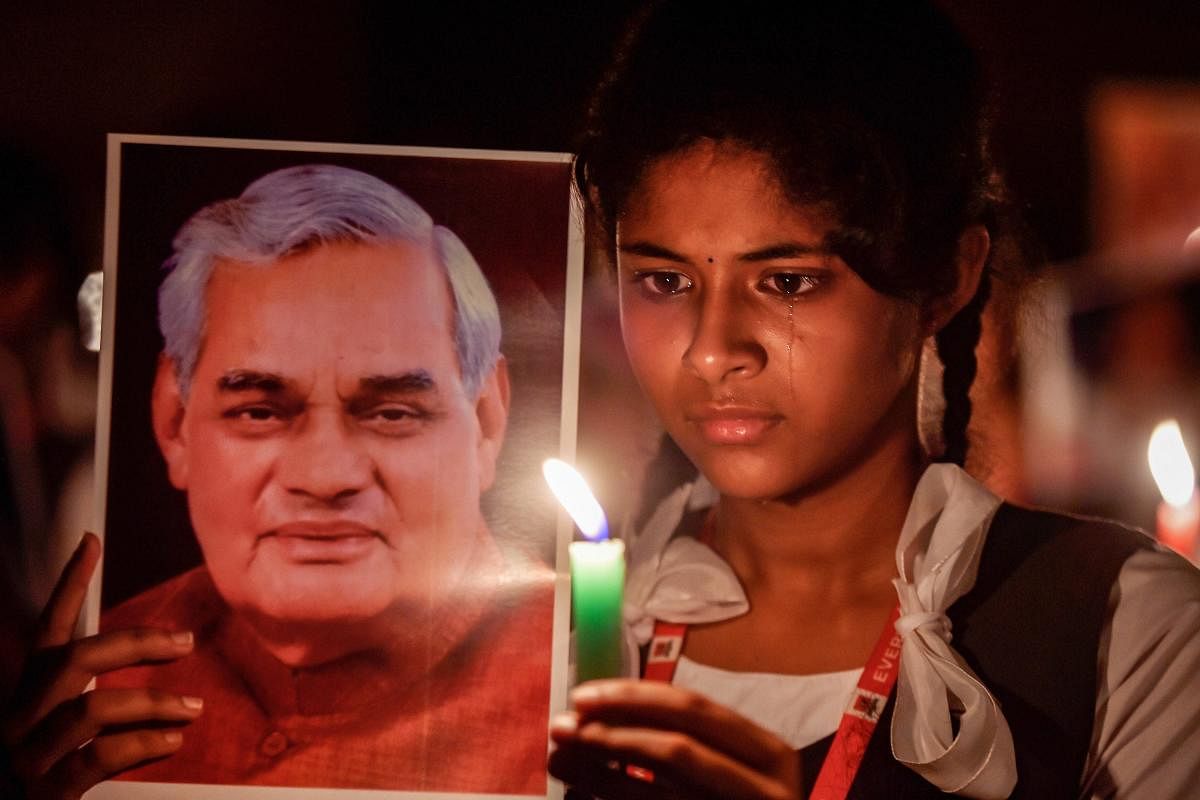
[735,426]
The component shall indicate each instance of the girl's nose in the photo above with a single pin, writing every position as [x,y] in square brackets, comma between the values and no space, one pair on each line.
[725,344]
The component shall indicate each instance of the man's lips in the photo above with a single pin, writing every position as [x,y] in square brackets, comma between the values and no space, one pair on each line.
[733,425]
[331,542]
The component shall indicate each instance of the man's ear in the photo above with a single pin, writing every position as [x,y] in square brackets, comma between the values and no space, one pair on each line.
[969,260]
[166,412]
[491,410]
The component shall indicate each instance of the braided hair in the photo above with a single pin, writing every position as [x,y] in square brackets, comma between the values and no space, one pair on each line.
[875,111]
[956,343]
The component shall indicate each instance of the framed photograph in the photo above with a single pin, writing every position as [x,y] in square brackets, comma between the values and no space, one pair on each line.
[329,375]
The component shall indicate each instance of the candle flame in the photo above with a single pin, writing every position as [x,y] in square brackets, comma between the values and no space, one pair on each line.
[572,491]
[1170,465]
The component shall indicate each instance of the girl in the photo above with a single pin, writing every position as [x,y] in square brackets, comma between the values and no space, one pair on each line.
[797,198]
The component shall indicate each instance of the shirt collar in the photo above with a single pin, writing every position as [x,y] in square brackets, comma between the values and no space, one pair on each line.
[947,726]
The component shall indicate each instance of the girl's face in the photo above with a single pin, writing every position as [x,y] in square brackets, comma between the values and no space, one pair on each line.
[770,362]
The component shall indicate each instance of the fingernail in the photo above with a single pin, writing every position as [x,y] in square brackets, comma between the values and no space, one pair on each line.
[182,639]
[585,693]
[564,723]
[88,541]
[194,703]
[172,737]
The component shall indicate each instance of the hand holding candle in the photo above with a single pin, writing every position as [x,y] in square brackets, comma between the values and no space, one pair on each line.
[597,576]
[1178,521]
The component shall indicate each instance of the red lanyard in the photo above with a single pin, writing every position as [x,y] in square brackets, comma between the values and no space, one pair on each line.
[849,746]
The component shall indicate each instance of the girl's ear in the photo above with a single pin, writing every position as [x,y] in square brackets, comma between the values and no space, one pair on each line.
[969,260]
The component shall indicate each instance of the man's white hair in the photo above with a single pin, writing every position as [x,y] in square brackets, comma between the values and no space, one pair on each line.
[293,209]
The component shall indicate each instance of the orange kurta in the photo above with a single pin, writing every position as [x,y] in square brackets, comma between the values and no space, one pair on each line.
[473,719]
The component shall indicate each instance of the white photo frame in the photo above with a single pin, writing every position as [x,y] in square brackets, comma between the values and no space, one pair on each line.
[518,213]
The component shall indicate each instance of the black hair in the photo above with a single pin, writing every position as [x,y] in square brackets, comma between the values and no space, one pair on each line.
[875,111]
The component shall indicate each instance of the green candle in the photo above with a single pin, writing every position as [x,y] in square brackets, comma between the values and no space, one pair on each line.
[597,584]
[597,576]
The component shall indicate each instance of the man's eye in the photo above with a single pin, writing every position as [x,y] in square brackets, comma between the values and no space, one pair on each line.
[393,420]
[789,284]
[393,414]
[663,282]
[253,414]
[253,419]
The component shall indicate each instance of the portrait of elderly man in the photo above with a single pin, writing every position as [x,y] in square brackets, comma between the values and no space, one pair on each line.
[332,399]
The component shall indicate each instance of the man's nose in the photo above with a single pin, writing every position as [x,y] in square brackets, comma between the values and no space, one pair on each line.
[725,341]
[324,460]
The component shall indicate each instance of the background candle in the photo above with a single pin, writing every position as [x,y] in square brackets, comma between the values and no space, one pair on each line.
[1179,526]
[1178,518]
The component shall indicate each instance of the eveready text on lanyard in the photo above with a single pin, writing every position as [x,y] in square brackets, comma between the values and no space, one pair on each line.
[859,719]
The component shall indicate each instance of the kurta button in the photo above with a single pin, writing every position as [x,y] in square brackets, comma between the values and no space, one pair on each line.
[273,744]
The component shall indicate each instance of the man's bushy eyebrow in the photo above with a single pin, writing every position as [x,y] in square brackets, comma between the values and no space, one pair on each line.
[417,380]
[248,380]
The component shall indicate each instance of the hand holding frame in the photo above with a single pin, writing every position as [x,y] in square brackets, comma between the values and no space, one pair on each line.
[61,737]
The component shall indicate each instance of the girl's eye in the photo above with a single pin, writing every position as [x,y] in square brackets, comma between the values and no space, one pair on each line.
[663,282]
[789,284]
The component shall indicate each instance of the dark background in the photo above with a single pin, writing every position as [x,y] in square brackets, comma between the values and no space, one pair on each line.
[495,75]
[514,217]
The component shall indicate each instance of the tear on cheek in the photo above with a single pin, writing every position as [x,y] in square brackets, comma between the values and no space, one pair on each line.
[791,345]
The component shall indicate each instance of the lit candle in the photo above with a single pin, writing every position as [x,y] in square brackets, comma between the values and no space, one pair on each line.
[1179,513]
[597,576]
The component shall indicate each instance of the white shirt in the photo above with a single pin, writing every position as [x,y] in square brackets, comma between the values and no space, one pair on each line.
[1146,738]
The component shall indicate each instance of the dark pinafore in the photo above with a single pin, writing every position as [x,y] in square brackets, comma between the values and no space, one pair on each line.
[1030,628]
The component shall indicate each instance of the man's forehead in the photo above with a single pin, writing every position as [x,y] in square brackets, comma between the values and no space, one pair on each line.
[381,260]
[346,281]
[377,309]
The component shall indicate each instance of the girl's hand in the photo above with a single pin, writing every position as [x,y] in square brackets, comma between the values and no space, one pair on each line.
[61,739]
[696,748]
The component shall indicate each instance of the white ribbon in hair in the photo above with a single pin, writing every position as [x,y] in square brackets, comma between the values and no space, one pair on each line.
[938,559]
